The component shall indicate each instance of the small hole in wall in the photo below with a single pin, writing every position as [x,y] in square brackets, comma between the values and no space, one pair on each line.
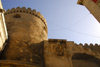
[17,16]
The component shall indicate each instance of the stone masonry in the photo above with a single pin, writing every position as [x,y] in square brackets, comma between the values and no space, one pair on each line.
[28,44]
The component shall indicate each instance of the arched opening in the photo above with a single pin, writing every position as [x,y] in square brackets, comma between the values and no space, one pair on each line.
[85,60]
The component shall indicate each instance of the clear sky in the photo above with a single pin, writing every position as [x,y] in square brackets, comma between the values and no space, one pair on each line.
[65,19]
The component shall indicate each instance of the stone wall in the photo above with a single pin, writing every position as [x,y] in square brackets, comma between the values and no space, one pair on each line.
[57,53]
[28,45]
[62,53]
[27,29]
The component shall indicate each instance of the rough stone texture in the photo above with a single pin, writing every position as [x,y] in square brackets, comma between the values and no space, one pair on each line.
[28,45]
[27,29]
[56,54]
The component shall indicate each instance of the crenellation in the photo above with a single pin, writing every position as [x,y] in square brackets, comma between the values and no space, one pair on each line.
[57,41]
[29,45]
[72,47]
[29,11]
[12,10]
[91,45]
[76,44]
[34,11]
[24,8]
[40,15]
[81,44]
[86,44]
[17,9]
[96,45]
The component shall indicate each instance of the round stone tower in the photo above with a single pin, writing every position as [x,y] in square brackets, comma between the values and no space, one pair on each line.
[26,30]
[26,25]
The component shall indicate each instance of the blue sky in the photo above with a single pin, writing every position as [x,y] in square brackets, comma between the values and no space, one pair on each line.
[65,19]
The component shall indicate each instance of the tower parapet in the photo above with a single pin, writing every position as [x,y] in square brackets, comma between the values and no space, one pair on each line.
[27,29]
[28,11]
[28,18]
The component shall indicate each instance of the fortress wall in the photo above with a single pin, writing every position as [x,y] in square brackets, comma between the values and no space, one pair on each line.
[27,29]
[30,22]
[93,47]
[84,55]
[57,53]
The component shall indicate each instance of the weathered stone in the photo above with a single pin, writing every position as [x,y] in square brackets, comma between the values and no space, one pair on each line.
[28,44]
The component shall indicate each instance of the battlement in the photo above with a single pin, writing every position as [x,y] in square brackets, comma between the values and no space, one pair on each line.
[93,49]
[28,11]
[90,45]
[57,41]
[60,47]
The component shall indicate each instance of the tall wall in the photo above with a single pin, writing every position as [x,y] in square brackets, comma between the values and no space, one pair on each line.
[27,29]
[57,53]
[62,53]
[26,25]
[3,31]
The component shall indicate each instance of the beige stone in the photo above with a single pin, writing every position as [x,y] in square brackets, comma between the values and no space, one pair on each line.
[28,44]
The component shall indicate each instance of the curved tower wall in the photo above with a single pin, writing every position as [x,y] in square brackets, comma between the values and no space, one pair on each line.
[26,25]
[26,28]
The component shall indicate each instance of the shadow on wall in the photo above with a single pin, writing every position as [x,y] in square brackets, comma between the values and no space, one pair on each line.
[85,60]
